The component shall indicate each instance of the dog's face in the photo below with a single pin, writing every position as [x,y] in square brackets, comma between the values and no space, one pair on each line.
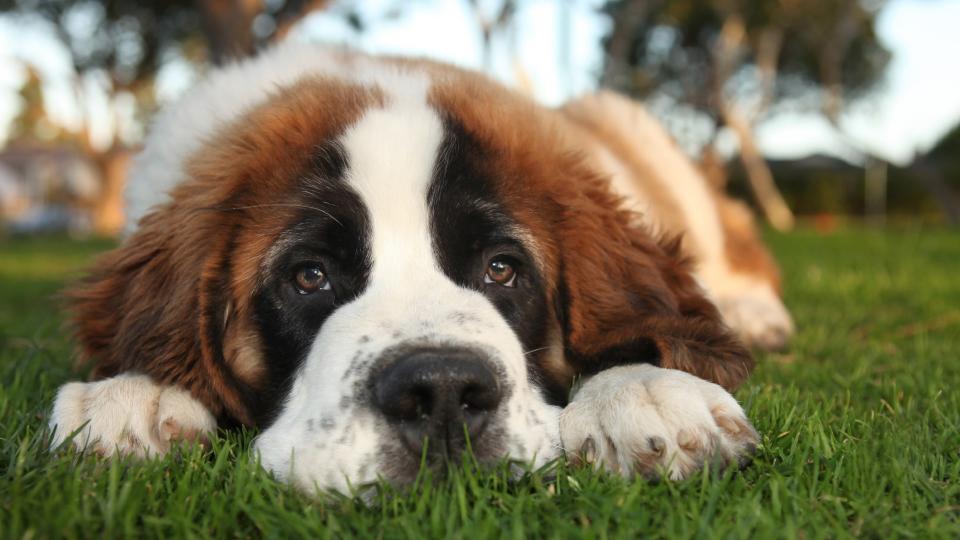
[376,274]
[408,307]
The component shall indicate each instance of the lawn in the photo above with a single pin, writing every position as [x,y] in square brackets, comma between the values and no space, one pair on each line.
[860,424]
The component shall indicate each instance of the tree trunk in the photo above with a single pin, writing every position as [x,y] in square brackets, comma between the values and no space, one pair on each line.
[107,213]
[626,17]
[228,26]
[726,57]
[875,191]
[758,173]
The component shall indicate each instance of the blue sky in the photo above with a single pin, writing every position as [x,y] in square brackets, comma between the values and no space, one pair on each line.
[919,100]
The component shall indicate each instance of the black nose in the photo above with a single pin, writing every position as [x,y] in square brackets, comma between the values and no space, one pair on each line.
[438,397]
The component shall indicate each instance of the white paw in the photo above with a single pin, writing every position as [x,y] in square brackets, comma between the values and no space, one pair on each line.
[642,419]
[758,317]
[127,415]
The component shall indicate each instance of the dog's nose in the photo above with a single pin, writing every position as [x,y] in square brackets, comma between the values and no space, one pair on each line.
[438,397]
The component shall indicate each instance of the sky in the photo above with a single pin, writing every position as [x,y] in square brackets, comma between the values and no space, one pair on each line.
[917,103]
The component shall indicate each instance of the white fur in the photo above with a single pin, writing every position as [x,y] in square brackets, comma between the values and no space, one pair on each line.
[672,170]
[643,419]
[391,154]
[127,414]
[753,309]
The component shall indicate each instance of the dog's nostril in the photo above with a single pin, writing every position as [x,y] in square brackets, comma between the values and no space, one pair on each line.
[406,405]
[480,398]
[424,401]
[438,394]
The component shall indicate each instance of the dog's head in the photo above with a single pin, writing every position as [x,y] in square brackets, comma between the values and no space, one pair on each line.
[381,268]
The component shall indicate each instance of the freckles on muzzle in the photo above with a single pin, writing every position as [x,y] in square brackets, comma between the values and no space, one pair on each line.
[439,401]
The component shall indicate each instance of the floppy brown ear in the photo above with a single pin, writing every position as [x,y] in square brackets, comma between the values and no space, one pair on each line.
[174,300]
[158,305]
[628,297]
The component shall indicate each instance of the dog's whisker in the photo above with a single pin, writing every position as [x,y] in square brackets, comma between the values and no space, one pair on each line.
[277,205]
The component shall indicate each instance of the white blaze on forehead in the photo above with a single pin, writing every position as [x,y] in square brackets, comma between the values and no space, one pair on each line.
[391,154]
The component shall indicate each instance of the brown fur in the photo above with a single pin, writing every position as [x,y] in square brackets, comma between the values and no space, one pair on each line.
[744,250]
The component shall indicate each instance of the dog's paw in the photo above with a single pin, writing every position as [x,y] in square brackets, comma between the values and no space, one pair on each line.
[128,415]
[644,420]
[758,317]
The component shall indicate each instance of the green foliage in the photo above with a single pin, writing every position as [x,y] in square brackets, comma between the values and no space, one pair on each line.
[669,49]
[127,40]
[946,155]
[860,424]
[673,42]
[948,146]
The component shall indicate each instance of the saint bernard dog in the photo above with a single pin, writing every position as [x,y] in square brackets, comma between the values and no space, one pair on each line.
[383,261]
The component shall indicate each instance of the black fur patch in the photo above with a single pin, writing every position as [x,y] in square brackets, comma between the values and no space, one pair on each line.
[332,230]
[471,226]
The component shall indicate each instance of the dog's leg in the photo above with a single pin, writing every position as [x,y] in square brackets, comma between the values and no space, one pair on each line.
[747,298]
[128,414]
[641,419]
[758,316]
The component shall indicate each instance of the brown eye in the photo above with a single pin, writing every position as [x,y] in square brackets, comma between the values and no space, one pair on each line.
[501,272]
[310,278]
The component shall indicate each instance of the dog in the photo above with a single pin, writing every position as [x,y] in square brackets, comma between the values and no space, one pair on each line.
[379,262]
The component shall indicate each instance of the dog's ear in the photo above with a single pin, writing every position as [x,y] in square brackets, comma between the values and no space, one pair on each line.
[174,301]
[627,296]
[159,305]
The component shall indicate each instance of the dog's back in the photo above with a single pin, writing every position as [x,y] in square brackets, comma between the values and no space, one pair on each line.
[658,181]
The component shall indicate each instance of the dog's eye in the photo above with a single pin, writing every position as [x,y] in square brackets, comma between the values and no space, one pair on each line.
[501,272]
[310,278]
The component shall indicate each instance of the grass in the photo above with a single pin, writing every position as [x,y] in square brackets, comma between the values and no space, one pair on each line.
[860,425]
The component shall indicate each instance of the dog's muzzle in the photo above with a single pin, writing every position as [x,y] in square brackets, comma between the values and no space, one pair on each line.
[438,399]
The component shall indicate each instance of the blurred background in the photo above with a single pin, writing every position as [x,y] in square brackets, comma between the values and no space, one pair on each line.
[817,111]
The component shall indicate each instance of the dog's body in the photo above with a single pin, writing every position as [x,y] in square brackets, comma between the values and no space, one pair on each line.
[671,196]
[374,260]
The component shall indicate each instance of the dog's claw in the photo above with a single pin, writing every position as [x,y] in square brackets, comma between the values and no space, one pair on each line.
[588,451]
[657,444]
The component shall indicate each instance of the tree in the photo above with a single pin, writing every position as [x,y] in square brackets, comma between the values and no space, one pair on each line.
[938,168]
[238,28]
[732,61]
[123,44]
[32,122]
[128,42]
